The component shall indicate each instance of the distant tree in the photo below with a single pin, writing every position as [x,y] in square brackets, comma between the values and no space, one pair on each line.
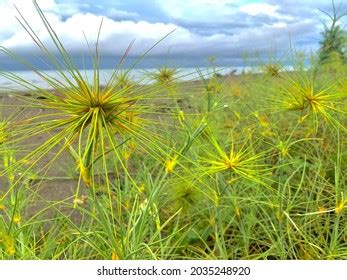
[333,43]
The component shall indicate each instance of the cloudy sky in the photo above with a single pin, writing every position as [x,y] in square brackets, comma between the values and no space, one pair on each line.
[224,28]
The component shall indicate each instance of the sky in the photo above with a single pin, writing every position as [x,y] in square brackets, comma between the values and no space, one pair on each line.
[201,28]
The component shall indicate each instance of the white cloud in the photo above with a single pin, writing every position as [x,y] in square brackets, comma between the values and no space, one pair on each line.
[115,13]
[254,9]
[279,25]
[116,35]
[199,10]
[259,8]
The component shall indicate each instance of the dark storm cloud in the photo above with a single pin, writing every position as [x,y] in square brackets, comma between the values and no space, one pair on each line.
[237,23]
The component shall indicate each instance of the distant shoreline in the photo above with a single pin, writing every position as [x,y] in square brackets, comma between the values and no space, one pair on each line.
[136,75]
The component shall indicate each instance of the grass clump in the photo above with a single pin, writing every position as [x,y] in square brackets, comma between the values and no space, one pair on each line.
[315,100]
[224,167]
[164,75]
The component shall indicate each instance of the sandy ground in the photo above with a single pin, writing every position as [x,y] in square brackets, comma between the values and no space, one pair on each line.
[40,193]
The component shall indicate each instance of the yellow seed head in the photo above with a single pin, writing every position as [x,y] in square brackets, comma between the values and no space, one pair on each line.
[285,151]
[17,218]
[340,206]
[142,188]
[181,115]
[9,245]
[232,162]
[85,174]
[263,121]
[126,154]
[114,256]
[170,164]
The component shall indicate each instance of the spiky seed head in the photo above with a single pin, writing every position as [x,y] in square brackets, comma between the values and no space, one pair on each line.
[170,164]
[84,172]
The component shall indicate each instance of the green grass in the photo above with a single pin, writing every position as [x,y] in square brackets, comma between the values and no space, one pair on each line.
[248,167]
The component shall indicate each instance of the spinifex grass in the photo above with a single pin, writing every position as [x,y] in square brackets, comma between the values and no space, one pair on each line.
[231,173]
[318,101]
[238,162]
[90,120]
[272,70]
[95,119]
[164,75]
